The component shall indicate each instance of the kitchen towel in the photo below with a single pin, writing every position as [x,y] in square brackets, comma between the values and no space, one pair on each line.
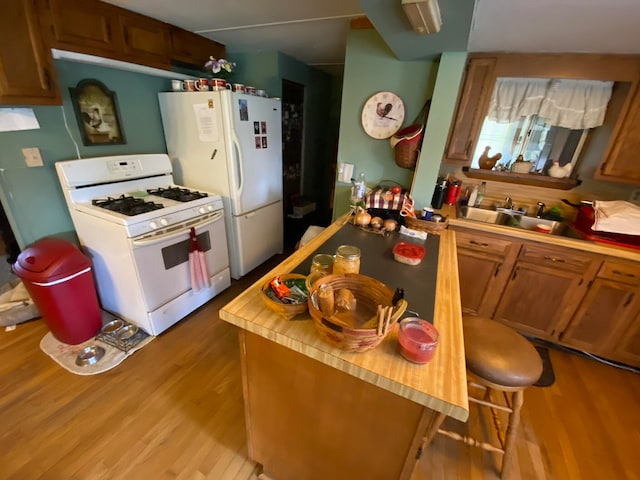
[65,355]
[616,216]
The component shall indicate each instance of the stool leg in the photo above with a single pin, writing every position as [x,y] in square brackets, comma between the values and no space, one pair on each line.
[512,429]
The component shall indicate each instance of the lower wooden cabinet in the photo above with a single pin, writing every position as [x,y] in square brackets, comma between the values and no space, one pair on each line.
[574,298]
[545,289]
[484,265]
[626,346]
[606,320]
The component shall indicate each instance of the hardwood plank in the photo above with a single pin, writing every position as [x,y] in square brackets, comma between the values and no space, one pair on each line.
[178,404]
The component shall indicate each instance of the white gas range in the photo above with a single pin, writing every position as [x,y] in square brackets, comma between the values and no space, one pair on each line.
[135,224]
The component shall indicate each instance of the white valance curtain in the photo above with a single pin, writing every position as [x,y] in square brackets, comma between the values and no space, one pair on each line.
[575,104]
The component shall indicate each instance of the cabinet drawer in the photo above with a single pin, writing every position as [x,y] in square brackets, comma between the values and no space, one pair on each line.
[556,258]
[482,243]
[620,272]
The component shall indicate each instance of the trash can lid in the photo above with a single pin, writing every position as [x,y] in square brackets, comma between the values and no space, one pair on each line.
[50,259]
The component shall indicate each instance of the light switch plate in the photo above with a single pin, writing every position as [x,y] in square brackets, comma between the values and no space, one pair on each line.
[32,157]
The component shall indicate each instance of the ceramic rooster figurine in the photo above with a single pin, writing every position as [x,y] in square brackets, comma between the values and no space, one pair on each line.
[486,162]
[557,171]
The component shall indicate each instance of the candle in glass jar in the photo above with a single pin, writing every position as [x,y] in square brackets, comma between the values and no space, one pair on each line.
[347,259]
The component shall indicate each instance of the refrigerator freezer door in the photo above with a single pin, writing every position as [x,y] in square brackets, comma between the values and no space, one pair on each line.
[258,236]
[255,151]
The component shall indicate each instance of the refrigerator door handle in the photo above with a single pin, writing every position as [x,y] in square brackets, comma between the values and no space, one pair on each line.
[238,159]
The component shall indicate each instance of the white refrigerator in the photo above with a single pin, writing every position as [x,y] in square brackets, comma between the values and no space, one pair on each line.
[231,144]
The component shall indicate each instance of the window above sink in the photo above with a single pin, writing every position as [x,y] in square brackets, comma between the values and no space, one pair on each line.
[594,154]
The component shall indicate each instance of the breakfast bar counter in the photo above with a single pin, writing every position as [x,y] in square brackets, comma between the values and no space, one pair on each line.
[314,411]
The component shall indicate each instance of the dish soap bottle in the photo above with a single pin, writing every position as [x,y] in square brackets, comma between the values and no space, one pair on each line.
[473,196]
[480,196]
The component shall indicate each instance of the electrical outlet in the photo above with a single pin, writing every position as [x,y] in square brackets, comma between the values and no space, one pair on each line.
[32,157]
[635,196]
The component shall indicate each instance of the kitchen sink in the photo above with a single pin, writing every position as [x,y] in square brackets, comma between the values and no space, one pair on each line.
[482,215]
[511,219]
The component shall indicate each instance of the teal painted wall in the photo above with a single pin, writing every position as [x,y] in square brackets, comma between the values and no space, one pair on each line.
[443,104]
[371,67]
[32,196]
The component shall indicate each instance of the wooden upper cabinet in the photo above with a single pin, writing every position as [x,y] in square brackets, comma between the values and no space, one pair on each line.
[621,164]
[146,41]
[89,27]
[104,30]
[473,103]
[192,49]
[26,66]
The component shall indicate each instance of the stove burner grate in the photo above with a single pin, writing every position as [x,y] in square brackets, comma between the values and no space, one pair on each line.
[176,193]
[127,205]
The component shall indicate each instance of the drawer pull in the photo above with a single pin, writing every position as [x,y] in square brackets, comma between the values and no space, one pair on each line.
[480,244]
[626,304]
[624,274]
[553,259]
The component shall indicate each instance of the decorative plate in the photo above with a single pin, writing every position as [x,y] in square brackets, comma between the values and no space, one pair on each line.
[382,115]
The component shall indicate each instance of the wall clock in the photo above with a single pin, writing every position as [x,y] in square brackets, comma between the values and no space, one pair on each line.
[382,115]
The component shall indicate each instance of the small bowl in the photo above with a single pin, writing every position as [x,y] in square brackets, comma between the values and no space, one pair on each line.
[127,332]
[90,355]
[285,310]
[417,340]
[112,327]
[542,228]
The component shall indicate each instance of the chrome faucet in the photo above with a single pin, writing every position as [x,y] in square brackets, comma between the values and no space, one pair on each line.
[508,203]
[540,209]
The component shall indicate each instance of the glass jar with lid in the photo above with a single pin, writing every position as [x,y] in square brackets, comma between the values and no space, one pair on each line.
[347,259]
[322,263]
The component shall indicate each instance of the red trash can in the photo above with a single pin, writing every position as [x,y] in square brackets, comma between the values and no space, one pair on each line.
[58,277]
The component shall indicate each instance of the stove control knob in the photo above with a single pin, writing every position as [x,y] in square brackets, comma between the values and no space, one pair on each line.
[202,210]
[153,225]
[210,208]
[164,222]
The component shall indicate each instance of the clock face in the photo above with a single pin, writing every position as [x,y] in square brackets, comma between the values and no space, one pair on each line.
[382,115]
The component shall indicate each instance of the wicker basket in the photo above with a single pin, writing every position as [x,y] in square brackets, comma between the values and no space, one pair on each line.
[426,225]
[285,310]
[407,146]
[339,329]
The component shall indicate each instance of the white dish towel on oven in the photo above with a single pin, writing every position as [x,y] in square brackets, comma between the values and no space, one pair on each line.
[616,216]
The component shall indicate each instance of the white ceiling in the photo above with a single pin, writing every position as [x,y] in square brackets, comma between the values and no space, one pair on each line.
[315,32]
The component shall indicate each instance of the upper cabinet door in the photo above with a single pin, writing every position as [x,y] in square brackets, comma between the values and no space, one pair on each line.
[26,65]
[473,103]
[89,27]
[621,165]
[146,41]
[192,49]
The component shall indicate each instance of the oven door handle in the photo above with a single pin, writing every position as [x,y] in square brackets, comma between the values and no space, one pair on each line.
[176,231]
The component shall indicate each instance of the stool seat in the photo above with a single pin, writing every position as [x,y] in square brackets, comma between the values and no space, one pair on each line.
[499,354]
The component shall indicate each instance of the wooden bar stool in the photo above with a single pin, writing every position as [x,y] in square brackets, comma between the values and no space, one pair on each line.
[498,359]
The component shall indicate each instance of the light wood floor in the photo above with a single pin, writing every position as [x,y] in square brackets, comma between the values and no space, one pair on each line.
[174,410]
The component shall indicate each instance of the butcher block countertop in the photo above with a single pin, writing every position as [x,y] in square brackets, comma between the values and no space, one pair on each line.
[439,385]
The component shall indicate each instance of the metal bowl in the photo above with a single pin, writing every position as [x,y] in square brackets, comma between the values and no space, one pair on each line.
[113,326]
[126,332]
[90,355]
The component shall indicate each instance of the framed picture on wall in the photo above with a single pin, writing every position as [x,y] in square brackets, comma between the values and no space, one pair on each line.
[96,110]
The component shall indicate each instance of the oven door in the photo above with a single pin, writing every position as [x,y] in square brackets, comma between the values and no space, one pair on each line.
[162,261]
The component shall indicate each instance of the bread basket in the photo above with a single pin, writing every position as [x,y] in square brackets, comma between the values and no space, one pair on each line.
[361,329]
[428,226]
